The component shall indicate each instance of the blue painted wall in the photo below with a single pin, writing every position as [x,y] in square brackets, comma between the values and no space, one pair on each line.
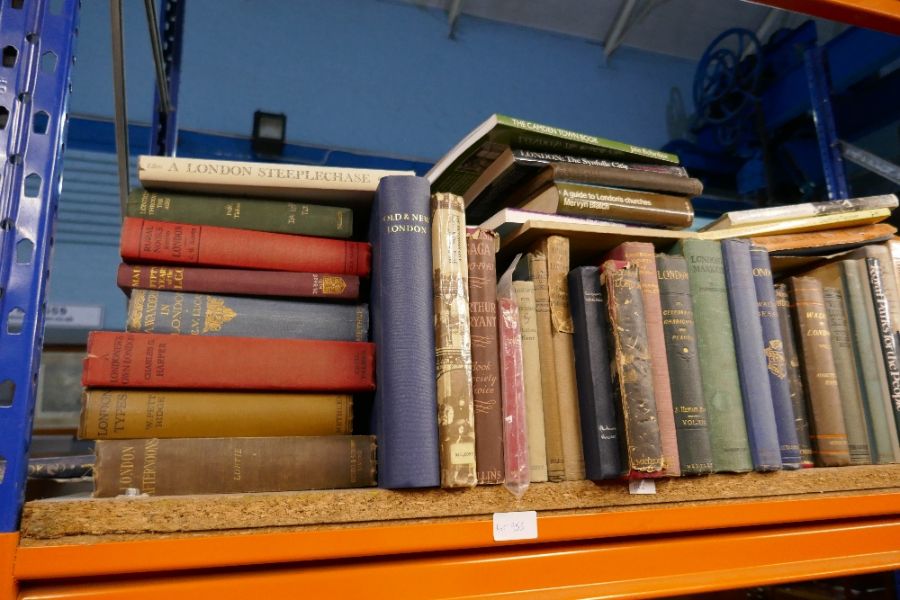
[373,76]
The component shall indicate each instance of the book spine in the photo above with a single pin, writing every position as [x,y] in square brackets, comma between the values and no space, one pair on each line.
[596,403]
[61,467]
[886,335]
[828,433]
[776,360]
[643,256]
[795,380]
[124,414]
[402,310]
[157,361]
[154,311]
[688,406]
[238,281]
[516,472]
[848,382]
[537,268]
[628,178]
[545,157]
[718,364]
[632,375]
[482,248]
[206,245]
[231,465]
[614,204]
[557,252]
[762,432]
[453,349]
[257,214]
[531,363]
[873,378]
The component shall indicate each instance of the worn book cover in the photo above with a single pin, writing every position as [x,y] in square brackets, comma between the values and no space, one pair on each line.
[537,272]
[643,255]
[124,414]
[259,214]
[827,429]
[190,313]
[331,185]
[204,245]
[886,334]
[453,345]
[632,377]
[531,364]
[180,466]
[688,405]
[481,246]
[795,380]
[556,248]
[242,282]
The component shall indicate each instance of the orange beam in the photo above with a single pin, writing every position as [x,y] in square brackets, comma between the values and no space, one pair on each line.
[883,15]
[645,568]
[8,544]
[226,550]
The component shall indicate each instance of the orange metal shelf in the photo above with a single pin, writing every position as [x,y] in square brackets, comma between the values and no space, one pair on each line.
[652,567]
[228,550]
[883,15]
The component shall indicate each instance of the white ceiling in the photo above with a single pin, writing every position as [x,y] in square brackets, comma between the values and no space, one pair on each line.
[682,28]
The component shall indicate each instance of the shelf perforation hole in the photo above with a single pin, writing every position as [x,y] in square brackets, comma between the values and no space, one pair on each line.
[7,224]
[7,392]
[32,38]
[4,117]
[32,185]
[15,321]
[10,54]
[24,251]
[48,62]
[24,97]
[15,159]
[40,122]
[17,3]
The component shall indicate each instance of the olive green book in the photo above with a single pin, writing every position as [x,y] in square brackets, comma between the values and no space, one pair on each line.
[718,362]
[258,214]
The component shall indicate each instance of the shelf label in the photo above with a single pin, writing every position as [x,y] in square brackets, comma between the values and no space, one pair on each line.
[515,526]
[642,486]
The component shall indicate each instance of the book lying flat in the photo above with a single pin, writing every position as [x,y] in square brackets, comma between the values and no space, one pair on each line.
[332,185]
[464,163]
[819,223]
[757,216]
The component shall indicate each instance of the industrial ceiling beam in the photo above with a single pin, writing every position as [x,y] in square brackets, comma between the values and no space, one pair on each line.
[454,9]
[631,12]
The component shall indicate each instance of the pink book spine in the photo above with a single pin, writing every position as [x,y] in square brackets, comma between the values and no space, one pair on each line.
[512,383]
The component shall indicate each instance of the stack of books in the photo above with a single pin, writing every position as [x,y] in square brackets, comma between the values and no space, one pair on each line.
[246,334]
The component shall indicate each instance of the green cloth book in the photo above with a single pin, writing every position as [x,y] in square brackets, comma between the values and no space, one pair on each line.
[258,214]
[718,363]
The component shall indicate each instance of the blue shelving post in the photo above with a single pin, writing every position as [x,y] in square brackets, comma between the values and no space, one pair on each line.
[823,118]
[37,40]
[164,132]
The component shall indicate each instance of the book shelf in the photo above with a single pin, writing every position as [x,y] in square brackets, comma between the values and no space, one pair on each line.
[714,533]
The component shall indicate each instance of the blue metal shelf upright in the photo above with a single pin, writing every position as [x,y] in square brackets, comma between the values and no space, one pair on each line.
[37,40]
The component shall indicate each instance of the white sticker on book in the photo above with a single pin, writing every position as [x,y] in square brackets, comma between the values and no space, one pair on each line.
[515,526]
[642,486]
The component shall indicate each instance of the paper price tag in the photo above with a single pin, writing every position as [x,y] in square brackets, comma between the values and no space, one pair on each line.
[642,486]
[515,526]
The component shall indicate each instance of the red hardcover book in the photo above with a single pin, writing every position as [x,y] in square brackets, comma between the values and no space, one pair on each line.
[237,282]
[205,245]
[146,360]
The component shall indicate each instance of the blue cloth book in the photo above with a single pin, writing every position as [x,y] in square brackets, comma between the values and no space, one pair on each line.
[596,403]
[759,412]
[402,310]
[776,360]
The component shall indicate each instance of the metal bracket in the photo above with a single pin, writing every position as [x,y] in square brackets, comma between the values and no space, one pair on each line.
[870,162]
[38,38]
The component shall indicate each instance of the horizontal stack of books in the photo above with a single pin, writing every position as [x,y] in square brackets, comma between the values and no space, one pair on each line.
[246,335]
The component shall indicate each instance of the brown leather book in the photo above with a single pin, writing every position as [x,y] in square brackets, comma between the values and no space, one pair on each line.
[556,248]
[481,246]
[537,269]
[826,241]
[643,256]
[232,465]
[632,377]
[453,348]
[827,430]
